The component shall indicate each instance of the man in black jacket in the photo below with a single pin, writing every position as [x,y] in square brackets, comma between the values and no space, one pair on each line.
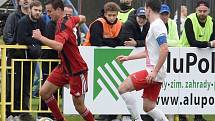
[12,20]
[8,37]
[24,37]
[28,23]
[134,31]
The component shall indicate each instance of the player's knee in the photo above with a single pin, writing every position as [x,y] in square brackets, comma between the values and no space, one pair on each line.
[79,106]
[44,94]
[120,90]
[123,88]
[148,108]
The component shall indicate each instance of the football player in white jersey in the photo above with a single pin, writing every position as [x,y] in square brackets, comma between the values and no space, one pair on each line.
[151,78]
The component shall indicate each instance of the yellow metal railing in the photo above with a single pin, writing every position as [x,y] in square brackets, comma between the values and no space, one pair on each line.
[3,82]
[4,67]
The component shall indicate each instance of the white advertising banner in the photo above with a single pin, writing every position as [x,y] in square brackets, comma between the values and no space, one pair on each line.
[189,87]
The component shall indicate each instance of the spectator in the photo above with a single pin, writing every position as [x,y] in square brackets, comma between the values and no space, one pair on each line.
[183,17]
[105,30]
[24,36]
[199,28]
[9,34]
[172,38]
[46,17]
[3,18]
[125,10]
[68,11]
[28,23]
[134,31]
[36,82]
[12,20]
[199,32]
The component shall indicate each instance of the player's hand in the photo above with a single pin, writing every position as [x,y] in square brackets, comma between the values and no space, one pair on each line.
[106,36]
[130,42]
[122,58]
[37,34]
[151,76]
[213,43]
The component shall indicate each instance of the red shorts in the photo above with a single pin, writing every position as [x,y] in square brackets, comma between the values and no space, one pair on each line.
[78,83]
[151,91]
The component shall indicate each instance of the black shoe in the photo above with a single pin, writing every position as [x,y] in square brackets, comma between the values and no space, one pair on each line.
[146,118]
[49,115]
[182,118]
[199,119]
[26,117]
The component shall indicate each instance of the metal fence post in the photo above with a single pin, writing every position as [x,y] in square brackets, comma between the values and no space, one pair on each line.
[3,84]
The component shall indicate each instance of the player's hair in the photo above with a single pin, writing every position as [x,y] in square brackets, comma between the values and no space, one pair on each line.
[55,4]
[111,6]
[68,6]
[35,3]
[155,5]
[202,2]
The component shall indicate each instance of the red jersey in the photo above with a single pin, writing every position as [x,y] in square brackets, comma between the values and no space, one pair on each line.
[70,56]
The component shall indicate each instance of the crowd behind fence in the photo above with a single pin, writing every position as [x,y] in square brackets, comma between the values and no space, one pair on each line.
[34,103]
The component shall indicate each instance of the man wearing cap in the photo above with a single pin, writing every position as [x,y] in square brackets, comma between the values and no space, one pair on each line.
[199,28]
[198,32]
[134,31]
[172,38]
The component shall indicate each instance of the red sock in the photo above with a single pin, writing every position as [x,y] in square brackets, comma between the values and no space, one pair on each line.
[87,115]
[52,104]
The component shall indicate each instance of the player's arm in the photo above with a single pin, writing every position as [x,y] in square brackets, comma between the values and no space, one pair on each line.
[51,43]
[162,41]
[138,55]
[82,20]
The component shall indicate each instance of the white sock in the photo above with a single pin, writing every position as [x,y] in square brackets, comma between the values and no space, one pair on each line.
[157,115]
[131,103]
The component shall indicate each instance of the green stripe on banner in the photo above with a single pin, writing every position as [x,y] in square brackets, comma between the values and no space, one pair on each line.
[116,72]
[110,77]
[109,88]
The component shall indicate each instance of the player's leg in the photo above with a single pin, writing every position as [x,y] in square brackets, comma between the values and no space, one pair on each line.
[54,81]
[133,82]
[126,86]
[151,109]
[78,88]
[81,108]
[46,92]
[149,98]
[125,91]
